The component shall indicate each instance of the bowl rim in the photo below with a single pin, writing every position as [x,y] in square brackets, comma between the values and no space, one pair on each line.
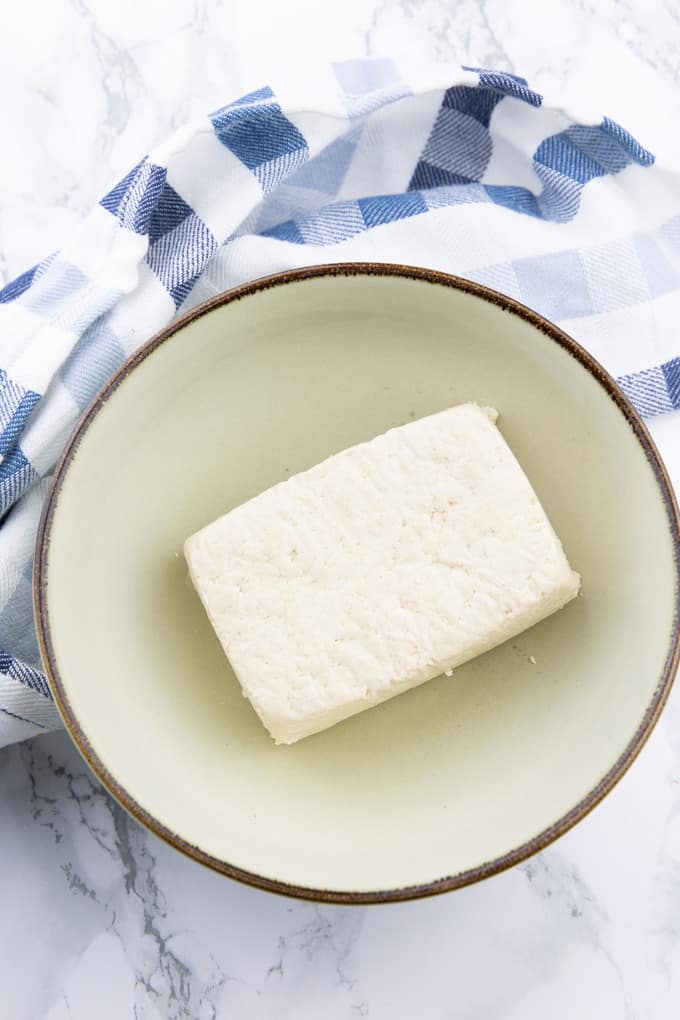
[449,882]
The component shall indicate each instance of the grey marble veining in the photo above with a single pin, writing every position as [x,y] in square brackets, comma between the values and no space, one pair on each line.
[98,918]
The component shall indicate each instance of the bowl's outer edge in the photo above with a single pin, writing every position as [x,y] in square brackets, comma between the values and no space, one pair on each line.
[451,882]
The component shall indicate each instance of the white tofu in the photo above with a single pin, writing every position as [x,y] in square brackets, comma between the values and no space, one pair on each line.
[378,569]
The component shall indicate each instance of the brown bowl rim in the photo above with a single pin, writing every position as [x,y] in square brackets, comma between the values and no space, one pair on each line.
[450,882]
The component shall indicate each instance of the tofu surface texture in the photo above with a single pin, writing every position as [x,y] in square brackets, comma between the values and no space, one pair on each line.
[380,568]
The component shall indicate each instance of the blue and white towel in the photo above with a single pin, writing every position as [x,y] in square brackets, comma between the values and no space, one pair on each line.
[468,171]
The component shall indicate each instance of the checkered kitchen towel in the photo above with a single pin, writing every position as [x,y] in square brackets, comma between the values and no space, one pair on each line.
[469,171]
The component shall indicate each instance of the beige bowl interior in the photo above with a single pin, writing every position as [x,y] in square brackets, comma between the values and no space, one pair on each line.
[462,771]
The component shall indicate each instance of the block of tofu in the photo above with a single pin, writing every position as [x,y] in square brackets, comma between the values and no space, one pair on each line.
[380,568]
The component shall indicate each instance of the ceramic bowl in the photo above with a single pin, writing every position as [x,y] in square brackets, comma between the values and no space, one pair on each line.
[435,789]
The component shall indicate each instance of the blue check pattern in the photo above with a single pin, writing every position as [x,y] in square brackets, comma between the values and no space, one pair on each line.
[261,185]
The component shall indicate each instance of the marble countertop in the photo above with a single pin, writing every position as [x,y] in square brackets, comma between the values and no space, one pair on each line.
[98,918]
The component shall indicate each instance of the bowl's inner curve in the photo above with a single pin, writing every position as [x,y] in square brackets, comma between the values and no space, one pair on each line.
[442,779]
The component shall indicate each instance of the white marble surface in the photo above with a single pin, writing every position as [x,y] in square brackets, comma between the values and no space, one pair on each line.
[97,917]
